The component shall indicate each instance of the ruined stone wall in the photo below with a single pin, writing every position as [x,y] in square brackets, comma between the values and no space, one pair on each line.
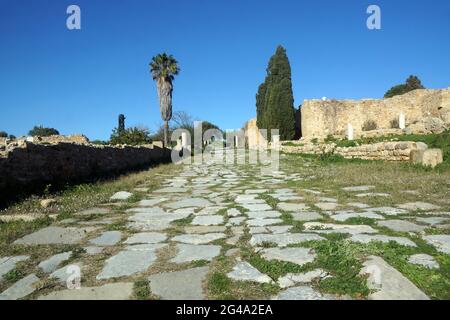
[253,136]
[389,151]
[425,110]
[25,165]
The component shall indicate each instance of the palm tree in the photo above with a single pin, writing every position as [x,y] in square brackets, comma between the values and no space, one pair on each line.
[164,68]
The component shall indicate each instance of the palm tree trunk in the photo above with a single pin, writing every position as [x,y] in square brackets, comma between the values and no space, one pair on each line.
[166,133]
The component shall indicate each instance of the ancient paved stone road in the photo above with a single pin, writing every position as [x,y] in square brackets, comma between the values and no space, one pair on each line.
[174,235]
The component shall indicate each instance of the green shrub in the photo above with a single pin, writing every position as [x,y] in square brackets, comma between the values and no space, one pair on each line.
[42,131]
[99,142]
[330,138]
[369,125]
[132,136]
[394,124]
[3,134]
[346,143]
[412,83]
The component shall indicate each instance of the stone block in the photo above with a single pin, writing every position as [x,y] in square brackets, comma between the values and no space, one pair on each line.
[428,157]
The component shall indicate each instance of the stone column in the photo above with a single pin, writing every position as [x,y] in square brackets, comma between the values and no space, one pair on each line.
[402,121]
[276,139]
[350,132]
[236,141]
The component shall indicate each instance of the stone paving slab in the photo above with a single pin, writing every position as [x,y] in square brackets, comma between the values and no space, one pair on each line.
[108,238]
[121,195]
[233,212]
[358,205]
[441,242]
[432,220]
[63,274]
[302,293]
[174,190]
[424,260]
[21,288]
[292,207]
[93,250]
[286,197]
[236,221]
[366,238]
[358,188]
[388,283]
[244,271]
[190,252]
[298,256]
[263,214]
[401,226]
[262,222]
[179,285]
[155,219]
[345,216]
[326,205]
[151,202]
[213,220]
[390,211]
[205,229]
[129,262]
[212,210]
[9,263]
[257,207]
[422,206]
[279,229]
[52,263]
[338,228]
[256,191]
[306,216]
[110,291]
[146,237]
[189,202]
[199,238]
[55,235]
[292,279]
[282,240]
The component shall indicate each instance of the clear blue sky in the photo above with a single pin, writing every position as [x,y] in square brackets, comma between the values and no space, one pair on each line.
[79,81]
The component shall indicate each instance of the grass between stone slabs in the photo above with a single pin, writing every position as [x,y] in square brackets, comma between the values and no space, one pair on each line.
[77,198]
[220,287]
[183,222]
[141,290]
[343,260]
[274,268]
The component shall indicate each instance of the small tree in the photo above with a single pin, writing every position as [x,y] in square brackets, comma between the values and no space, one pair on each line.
[3,134]
[42,131]
[121,126]
[412,83]
[131,136]
[275,100]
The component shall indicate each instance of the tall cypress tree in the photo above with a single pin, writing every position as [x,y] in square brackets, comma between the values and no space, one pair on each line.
[275,101]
